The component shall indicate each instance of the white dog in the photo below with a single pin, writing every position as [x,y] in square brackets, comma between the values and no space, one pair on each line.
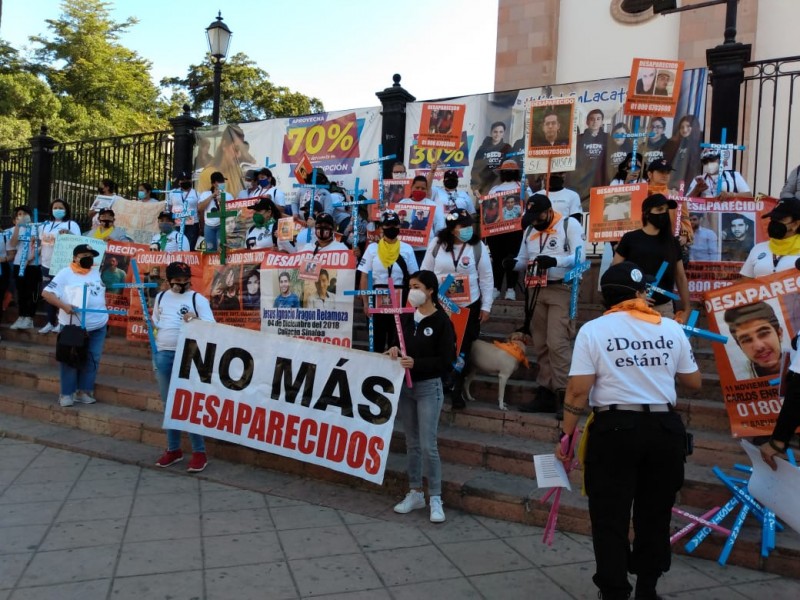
[492,359]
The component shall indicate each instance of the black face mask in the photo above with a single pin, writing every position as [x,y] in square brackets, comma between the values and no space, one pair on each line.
[661,221]
[391,233]
[543,224]
[86,262]
[777,230]
[556,183]
[179,288]
[451,183]
[324,233]
[186,185]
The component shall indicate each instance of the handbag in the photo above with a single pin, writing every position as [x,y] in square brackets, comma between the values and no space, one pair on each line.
[72,346]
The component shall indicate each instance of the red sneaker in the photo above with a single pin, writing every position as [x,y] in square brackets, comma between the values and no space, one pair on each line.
[170,457]
[197,463]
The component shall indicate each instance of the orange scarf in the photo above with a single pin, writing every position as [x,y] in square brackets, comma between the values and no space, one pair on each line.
[78,270]
[638,309]
[514,351]
[550,230]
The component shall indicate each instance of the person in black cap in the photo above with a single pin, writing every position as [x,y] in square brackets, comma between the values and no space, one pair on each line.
[168,239]
[654,244]
[66,292]
[106,229]
[449,197]
[548,245]
[250,185]
[185,200]
[324,227]
[782,250]
[263,232]
[636,443]
[174,307]
[388,257]
[210,201]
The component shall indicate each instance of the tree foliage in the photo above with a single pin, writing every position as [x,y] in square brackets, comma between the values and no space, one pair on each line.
[246,93]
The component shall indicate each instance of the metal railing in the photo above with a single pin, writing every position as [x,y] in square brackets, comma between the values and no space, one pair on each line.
[15,180]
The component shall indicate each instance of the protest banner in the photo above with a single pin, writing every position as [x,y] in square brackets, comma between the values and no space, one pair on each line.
[501,212]
[614,211]
[314,308]
[416,222]
[152,268]
[654,87]
[726,230]
[760,316]
[441,125]
[138,219]
[327,406]
[394,191]
[234,289]
[115,268]
[62,250]
[550,128]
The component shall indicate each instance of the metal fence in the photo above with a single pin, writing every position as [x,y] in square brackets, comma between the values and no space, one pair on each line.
[15,180]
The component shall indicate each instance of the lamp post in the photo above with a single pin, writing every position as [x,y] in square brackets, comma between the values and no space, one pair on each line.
[219,38]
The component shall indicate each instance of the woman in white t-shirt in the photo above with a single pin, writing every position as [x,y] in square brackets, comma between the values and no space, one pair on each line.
[782,251]
[49,231]
[74,288]
[210,202]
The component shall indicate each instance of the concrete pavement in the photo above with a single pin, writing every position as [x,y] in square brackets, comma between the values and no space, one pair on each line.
[74,525]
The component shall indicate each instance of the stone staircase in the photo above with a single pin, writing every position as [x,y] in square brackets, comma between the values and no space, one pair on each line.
[486,453]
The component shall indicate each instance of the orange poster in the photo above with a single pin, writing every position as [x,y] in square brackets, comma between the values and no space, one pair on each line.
[303,169]
[416,222]
[501,213]
[614,210]
[394,191]
[654,87]
[234,289]
[441,125]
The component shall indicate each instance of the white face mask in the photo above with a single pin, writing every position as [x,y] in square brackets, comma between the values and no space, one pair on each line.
[711,168]
[398,175]
[417,298]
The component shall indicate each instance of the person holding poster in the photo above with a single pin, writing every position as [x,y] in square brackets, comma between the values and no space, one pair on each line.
[169,240]
[263,232]
[324,226]
[420,197]
[209,202]
[707,184]
[637,443]
[389,257]
[458,250]
[449,197]
[651,246]
[430,352]
[28,251]
[625,175]
[174,307]
[782,250]
[183,200]
[549,243]
[61,223]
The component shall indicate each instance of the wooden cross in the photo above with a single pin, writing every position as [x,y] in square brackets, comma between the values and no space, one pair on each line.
[223,215]
[652,288]
[396,311]
[31,233]
[695,521]
[145,309]
[574,276]
[690,330]
[720,147]
[83,310]
[356,193]
[371,293]
[635,135]
[186,213]
[380,160]
[313,187]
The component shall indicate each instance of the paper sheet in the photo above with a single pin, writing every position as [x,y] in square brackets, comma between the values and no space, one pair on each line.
[550,472]
[777,490]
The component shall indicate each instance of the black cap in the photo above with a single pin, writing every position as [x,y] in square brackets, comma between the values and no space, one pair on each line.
[83,248]
[265,203]
[324,218]
[537,204]
[450,174]
[165,214]
[251,174]
[626,274]
[787,207]
[217,177]
[660,164]
[389,218]
[651,202]
[178,269]
[106,211]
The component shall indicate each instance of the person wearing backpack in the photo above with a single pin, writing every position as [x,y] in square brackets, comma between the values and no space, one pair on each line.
[548,245]
[458,250]
[173,308]
[707,184]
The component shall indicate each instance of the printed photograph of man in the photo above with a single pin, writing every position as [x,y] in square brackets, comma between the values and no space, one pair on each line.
[617,207]
[318,293]
[547,129]
[738,237]
[705,246]
[490,210]
[286,297]
[111,273]
[758,333]
[512,209]
[664,81]
[419,219]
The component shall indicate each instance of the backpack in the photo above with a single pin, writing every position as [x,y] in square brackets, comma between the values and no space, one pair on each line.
[477,248]
[194,300]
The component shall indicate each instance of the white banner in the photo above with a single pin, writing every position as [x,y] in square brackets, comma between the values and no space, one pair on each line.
[316,403]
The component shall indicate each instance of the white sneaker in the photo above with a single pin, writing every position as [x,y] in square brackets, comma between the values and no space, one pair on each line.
[46,329]
[57,328]
[18,323]
[412,501]
[511,294]
[27,323]
[84,398]
[495,294]
[437,512]
[66,400]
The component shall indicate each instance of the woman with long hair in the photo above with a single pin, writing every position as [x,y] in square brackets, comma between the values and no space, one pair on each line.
[682,151]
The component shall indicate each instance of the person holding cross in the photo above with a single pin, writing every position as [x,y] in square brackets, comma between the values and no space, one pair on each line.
[27,267]
[324,226]
[184,201]
[74,289]
[263,233]
[708,185]
[210,203]
[169,240]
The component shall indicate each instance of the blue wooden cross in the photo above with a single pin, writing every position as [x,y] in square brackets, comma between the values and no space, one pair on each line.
[720,147]
[380,160]
[183,215]
[635,135]
[356,193]
[266,163]
[370,292]
[652,288]
[690,330]
[145,309]
[444,287]
[574,276]
[83,310]
[313,187]
[31,233]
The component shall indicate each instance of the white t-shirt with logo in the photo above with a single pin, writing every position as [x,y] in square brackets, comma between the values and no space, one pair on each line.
[168,315]
[461,262]
[213,206]
[449,200]
[67,286]
[634,361]
[759,262]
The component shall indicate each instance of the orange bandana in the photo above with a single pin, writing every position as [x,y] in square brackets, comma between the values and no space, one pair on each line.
[550,230]
[77,269]
[514,351]
[638,309]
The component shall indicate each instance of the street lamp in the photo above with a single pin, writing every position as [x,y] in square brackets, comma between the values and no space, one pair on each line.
[219,38]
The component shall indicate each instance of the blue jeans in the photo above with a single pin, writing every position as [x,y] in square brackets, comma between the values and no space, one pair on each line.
[211,235]
[419,410]
[83,379]
[164,360]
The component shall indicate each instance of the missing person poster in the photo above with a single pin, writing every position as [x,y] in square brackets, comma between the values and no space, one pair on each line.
[550,127]
[394,191]
[323,405]
[416,222]
[615,210]
[654,87]
[234,289]
[441,126]
[116,269]
[760,317]
[501,213]
[302,295]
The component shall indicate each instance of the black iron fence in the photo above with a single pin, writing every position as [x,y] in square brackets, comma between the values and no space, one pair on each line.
[15,179]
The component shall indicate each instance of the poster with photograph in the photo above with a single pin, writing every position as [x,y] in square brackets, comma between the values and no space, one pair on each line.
[315,310]
[550,128]
[416,222]
[760,317]
[234,289]
[501,213]
[116,268]
[441,125]
[654,87]
[394,191]
[614,211]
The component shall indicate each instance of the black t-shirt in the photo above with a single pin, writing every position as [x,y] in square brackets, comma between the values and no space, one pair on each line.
[649,252]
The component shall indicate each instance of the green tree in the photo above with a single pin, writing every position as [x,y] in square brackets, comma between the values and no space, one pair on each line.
[246,92]
[26,102]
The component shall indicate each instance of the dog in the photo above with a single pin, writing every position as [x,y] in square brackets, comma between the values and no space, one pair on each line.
[490,359]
